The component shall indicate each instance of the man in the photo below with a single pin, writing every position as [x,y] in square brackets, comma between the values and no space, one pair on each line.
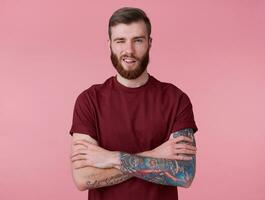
[133,136]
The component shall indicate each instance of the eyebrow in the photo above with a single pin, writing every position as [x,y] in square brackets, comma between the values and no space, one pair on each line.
[122,38]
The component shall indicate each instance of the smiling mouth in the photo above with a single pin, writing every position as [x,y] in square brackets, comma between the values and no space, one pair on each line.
[129,60]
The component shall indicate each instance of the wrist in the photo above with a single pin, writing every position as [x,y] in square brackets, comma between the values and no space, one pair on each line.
[146,154]
[115,159]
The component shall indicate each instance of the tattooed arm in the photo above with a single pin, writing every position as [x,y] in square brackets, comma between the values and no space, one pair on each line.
[161,165]
[88,177]
[93,177]
[160,170]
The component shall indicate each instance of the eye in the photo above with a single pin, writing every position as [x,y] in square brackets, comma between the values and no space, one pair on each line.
[120,41]
[139,40]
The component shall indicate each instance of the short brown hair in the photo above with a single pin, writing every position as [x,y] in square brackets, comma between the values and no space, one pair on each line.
[127,15]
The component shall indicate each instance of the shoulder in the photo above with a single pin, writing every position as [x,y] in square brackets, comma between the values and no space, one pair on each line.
[170,89]
[92,90]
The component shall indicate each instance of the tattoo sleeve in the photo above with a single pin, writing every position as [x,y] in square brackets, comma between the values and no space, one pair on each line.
[159,170]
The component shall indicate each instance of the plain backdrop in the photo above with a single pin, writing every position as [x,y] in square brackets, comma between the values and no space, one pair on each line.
[52,50]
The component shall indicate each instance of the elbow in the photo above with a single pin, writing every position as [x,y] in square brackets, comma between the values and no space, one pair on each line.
[188,180]
[86,184]
[184,181]
[80,185]
[83,179]
[79,181]
[81,188]
[189,174]
[187,184]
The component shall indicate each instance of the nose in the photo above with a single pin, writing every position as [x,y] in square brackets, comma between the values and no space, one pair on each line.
[129,48]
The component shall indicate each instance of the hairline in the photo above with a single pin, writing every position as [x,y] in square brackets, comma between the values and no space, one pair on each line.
[135,21]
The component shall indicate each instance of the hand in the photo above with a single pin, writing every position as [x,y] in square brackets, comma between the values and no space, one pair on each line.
[175,148]
[86,154]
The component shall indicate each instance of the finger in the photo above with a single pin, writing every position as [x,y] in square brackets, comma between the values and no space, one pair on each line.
[78,157]
[185,146]
[185,151]
[80,150]
[182,139]
[78,153]
[80,164]
[77,147]
[183,157]
[80,142]
[85,142]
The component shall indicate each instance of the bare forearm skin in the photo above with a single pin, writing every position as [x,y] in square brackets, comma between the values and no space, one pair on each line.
[96,177]
[107,177]
[159,170]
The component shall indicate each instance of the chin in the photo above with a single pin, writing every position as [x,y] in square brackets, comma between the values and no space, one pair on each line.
[130,68]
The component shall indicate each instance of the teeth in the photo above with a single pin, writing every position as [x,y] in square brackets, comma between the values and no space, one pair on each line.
[128,60]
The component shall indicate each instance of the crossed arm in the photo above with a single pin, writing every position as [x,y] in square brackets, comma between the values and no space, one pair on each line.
[168,164]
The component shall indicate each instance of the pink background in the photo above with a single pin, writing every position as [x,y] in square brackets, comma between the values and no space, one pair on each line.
[52,50]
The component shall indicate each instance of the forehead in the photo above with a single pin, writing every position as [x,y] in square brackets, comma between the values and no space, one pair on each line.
[128,31]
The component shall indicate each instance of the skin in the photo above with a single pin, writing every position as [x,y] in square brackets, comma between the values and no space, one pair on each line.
[160,170]
[98,167]
[173,166]
[88,177]
[130,40]
[107,181]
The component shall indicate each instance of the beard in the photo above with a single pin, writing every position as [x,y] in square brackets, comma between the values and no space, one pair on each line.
[130,74]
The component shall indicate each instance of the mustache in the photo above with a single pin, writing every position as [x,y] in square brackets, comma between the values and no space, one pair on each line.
[129,56]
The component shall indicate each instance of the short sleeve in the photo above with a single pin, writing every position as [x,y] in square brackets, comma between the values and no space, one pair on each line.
[184,117]
[83,116]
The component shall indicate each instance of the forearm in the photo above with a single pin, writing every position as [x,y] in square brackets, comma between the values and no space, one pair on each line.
[143,166]
[150,166]
[160,170]
[92,177]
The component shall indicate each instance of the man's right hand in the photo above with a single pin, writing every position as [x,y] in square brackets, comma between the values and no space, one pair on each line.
[179,148]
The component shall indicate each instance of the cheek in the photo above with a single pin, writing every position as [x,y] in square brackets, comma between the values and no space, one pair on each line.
[117,52]
[116,49]
[141,52]
[141,47]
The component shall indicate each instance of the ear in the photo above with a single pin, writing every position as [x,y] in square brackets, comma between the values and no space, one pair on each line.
[150,41]
[109,43]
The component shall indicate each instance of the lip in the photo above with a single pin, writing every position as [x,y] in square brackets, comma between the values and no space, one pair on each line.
[131,60]
[129,64]
[126,58]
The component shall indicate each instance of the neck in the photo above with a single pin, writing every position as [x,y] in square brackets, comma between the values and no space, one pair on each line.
[134,83]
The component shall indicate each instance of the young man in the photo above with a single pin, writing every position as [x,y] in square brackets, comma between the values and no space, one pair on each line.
[133,136]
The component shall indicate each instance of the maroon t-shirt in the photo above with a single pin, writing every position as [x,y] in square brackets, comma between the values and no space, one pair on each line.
[132,120]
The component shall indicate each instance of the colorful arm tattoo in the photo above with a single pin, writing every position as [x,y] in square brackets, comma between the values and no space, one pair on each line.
[159,170]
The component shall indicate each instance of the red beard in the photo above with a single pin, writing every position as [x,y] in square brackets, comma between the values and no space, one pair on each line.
[130,74]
